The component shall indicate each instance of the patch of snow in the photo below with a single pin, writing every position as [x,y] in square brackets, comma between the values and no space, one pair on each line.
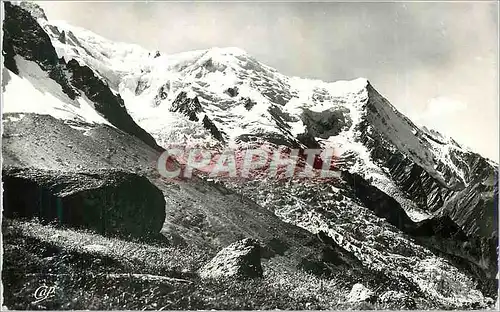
[13,118]
[32,91]
[95,248]
[359,293]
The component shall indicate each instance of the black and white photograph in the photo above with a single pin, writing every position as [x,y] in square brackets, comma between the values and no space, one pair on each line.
[249,155]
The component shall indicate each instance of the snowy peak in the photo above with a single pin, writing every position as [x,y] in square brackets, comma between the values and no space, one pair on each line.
[34,9]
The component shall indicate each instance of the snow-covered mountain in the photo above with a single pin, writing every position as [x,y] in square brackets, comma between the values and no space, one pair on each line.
[410,203]
[248,101]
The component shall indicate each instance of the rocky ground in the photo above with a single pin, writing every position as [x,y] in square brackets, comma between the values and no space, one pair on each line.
[90,271]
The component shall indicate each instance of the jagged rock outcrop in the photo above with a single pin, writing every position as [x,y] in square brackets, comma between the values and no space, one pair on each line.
[430,182]
[281,118]
[210,126]
[248,103]
[380,203]
[232,92]
[35,10]
[62,37]
[160,96]
[331,258]
[25,37]
[190,107]
[239,260]
[440,232]
[397,300]
[384,206]
[107,201]
[462,204]
[141,86]
[187,106]
[308,140]
[111,106]
[327,123]
[277,139]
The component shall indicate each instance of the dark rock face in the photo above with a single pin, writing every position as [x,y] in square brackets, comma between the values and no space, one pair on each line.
[35,10]
[308,140]
[470,206]
[209,125]
[109,105]
[388,208]
[380,203]
[281,118]
[9,53]
[332,258]
[160,96]
[25,37]
[277,96]
[327,123]
[62,37]
[187,106]
[73,39]
[141,86]
[232,92]
[440,232]
[248,103]
[107,201]
[442,227]
[190,108]
[464,207]
[270,137]
[239,260]
[211,66]
[480,217]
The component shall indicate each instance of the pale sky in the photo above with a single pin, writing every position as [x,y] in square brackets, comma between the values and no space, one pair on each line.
[436,62]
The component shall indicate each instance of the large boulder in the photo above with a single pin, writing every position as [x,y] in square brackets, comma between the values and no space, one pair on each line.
[239,260]
[107,201]
[397,300]
[360,293]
